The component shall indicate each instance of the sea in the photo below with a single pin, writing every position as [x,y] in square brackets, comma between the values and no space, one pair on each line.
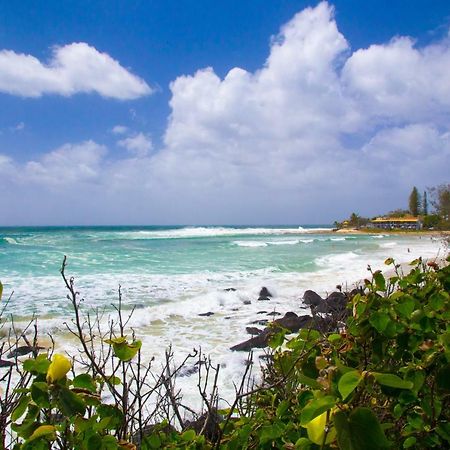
[191,287]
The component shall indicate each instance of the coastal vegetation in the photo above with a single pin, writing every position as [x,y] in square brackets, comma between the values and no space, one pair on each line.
[418,210]
[379,379]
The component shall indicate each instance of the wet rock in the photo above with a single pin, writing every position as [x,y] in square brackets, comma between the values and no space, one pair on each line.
[312,298]
[335,302]
[261,312]
[247,302]
[148,430]
[207,314]
[230,289]
[253,330]
[206,424]
[264,294]
[24,350]
[274,313]
[259,322]
[259,341]
[293,322]
[4,363]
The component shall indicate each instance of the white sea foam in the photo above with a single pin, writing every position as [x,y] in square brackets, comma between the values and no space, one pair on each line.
[338,239]
[285,242]
[10,240]
[197,232]
[388,244]
[250,243]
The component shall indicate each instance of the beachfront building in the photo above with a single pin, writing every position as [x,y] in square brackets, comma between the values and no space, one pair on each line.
[396,223]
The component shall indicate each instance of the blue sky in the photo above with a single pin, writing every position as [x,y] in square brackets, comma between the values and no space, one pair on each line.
[308,110]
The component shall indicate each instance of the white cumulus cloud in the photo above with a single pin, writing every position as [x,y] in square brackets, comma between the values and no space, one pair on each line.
[72,69]
[138,145]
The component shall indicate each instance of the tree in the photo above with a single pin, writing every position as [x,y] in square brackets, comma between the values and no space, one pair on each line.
[425,204]
[414,202]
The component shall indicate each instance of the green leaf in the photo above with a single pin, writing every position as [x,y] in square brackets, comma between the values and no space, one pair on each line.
[126,352]
[39,364]
[70,403]
[277,339]
[94,442]
[44,431]
[391,380]
[188,436]
[359,431]
[409,442]
[443,378]
[111,412]
[109,442]
[152,441]
[1,290]
[21,407]
[39,394]
[282,408]
[316,407]
[380,282]
[303,444]
[379,320]
[405,306]
[85,381]
[270,433]
[389,261]
[348,383]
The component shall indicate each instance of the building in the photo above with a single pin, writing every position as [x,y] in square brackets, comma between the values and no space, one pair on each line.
[397,223]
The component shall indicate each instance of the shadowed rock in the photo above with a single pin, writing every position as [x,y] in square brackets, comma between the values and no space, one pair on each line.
[23,350]
[207,314]
[206,424]
[264,294]
[259,341]
[311,298]
[335,302]
[4,363]
[292,322]
[253,331]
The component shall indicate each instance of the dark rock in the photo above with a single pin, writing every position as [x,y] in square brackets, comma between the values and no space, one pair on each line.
[227,318]
[259,322]
[148,430]
[259,341]
[206,424]
[207,314]
[292,322]
[235,309]
[23,350]
[335,302]
[4,363]
[311,298]
[253,330]
[247,302]
[261,312]
[274,313]
[230,289]
[264,294]
[187,371]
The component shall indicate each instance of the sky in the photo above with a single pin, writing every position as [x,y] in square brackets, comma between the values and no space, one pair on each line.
[236,112]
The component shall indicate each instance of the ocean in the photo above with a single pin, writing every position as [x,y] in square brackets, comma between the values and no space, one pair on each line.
[173,274]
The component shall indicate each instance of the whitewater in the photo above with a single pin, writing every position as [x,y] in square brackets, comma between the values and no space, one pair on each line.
[171,275]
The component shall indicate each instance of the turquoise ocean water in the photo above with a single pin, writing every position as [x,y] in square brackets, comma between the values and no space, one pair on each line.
[173,274]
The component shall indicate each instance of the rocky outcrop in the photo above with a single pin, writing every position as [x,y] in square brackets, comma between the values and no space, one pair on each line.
[312,298]
[264,294]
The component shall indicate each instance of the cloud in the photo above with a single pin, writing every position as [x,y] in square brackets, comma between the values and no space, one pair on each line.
[119,129]
[138,145]
[66,166]
[73,68]
[317,132]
